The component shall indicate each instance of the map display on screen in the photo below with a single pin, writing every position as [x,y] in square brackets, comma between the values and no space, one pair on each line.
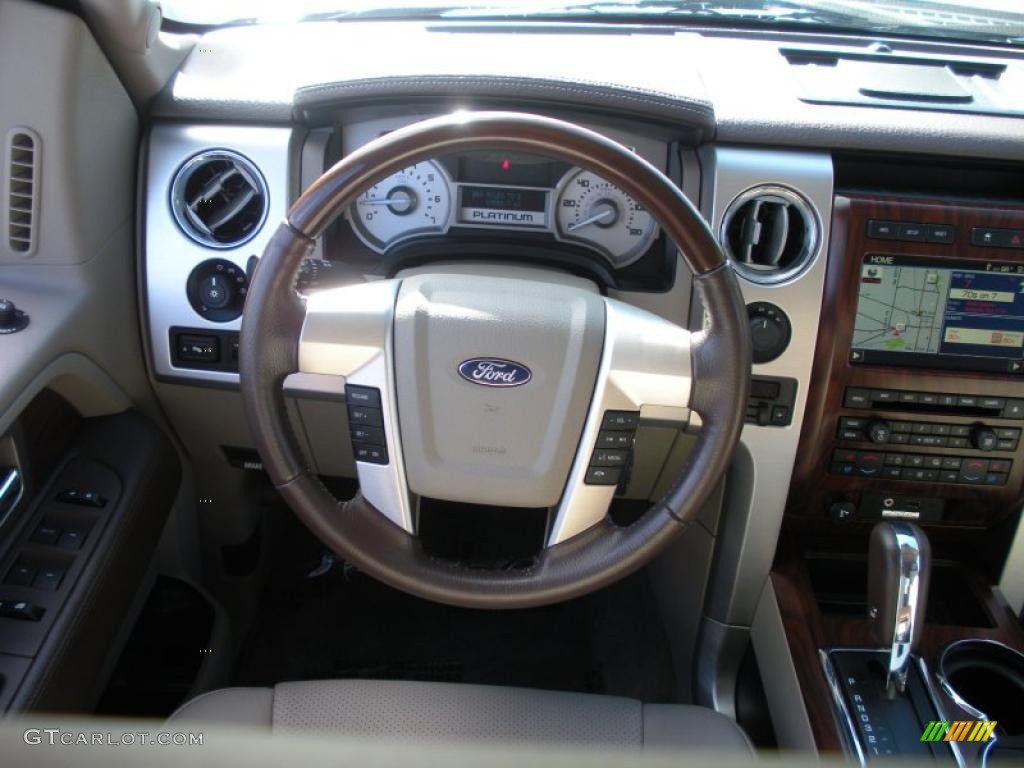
[909,308]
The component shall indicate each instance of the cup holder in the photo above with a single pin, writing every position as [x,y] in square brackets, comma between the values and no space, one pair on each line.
[986,679]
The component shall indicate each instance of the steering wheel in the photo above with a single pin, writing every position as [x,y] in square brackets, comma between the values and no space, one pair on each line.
[493,390]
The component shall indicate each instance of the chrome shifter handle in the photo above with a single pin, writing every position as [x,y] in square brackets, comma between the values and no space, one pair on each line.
[899,567]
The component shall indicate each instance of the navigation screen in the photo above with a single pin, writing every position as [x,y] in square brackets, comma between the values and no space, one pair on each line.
[916,312]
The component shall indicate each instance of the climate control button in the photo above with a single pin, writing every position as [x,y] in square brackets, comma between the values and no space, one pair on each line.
[879,431]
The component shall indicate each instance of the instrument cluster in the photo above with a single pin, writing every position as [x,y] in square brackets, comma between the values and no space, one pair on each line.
[504,192]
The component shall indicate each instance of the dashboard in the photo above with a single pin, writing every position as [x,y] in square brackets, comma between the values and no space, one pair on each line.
[874,245]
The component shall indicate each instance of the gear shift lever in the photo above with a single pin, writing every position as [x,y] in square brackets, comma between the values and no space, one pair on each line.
[899,567]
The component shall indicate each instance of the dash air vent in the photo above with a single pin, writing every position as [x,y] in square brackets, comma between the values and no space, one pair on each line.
[23,158]
[219,199]
[769,233]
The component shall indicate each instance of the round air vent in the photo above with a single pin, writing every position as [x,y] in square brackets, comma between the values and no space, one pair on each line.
[219,199]
[769,233]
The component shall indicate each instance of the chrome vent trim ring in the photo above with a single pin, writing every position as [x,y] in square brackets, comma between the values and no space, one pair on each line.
[770,234]
[219,199]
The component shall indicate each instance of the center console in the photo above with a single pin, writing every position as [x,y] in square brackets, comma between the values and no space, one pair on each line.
[914,418]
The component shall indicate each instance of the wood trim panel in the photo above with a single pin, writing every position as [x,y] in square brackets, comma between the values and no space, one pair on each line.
[813,488]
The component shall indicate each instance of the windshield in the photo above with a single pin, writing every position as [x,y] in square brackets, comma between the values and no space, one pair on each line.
[997,21]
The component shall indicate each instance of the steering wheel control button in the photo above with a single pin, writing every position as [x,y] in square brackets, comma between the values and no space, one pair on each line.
[620,420]
[371,453]
[366,424]
[603,476]
[604,457]
[770,331]
[216,289]
[367,396]
[610,439]
[369,416]
[368,435]
[613,451]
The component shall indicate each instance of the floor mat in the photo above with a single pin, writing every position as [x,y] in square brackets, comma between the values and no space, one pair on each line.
[346,625]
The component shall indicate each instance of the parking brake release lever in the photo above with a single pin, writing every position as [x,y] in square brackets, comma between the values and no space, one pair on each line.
[899,568]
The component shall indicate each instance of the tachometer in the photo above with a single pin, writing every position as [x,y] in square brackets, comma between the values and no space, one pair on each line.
[596,212]
[415,201]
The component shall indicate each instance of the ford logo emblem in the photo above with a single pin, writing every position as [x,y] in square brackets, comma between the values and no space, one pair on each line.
[494,372]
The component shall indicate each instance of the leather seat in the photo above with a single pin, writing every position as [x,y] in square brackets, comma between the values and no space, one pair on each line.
[454,712]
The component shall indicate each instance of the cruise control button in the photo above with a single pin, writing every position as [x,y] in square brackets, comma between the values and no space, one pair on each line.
[373,454]
[372,417]
[363,396]
[369,435]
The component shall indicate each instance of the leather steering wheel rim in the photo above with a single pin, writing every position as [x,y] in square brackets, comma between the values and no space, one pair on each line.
[359,533]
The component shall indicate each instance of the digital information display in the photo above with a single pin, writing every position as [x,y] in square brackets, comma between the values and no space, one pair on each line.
[509,206]
[925,313]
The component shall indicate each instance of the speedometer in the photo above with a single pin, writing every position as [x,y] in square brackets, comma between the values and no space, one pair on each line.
[597,213]
[415,201]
